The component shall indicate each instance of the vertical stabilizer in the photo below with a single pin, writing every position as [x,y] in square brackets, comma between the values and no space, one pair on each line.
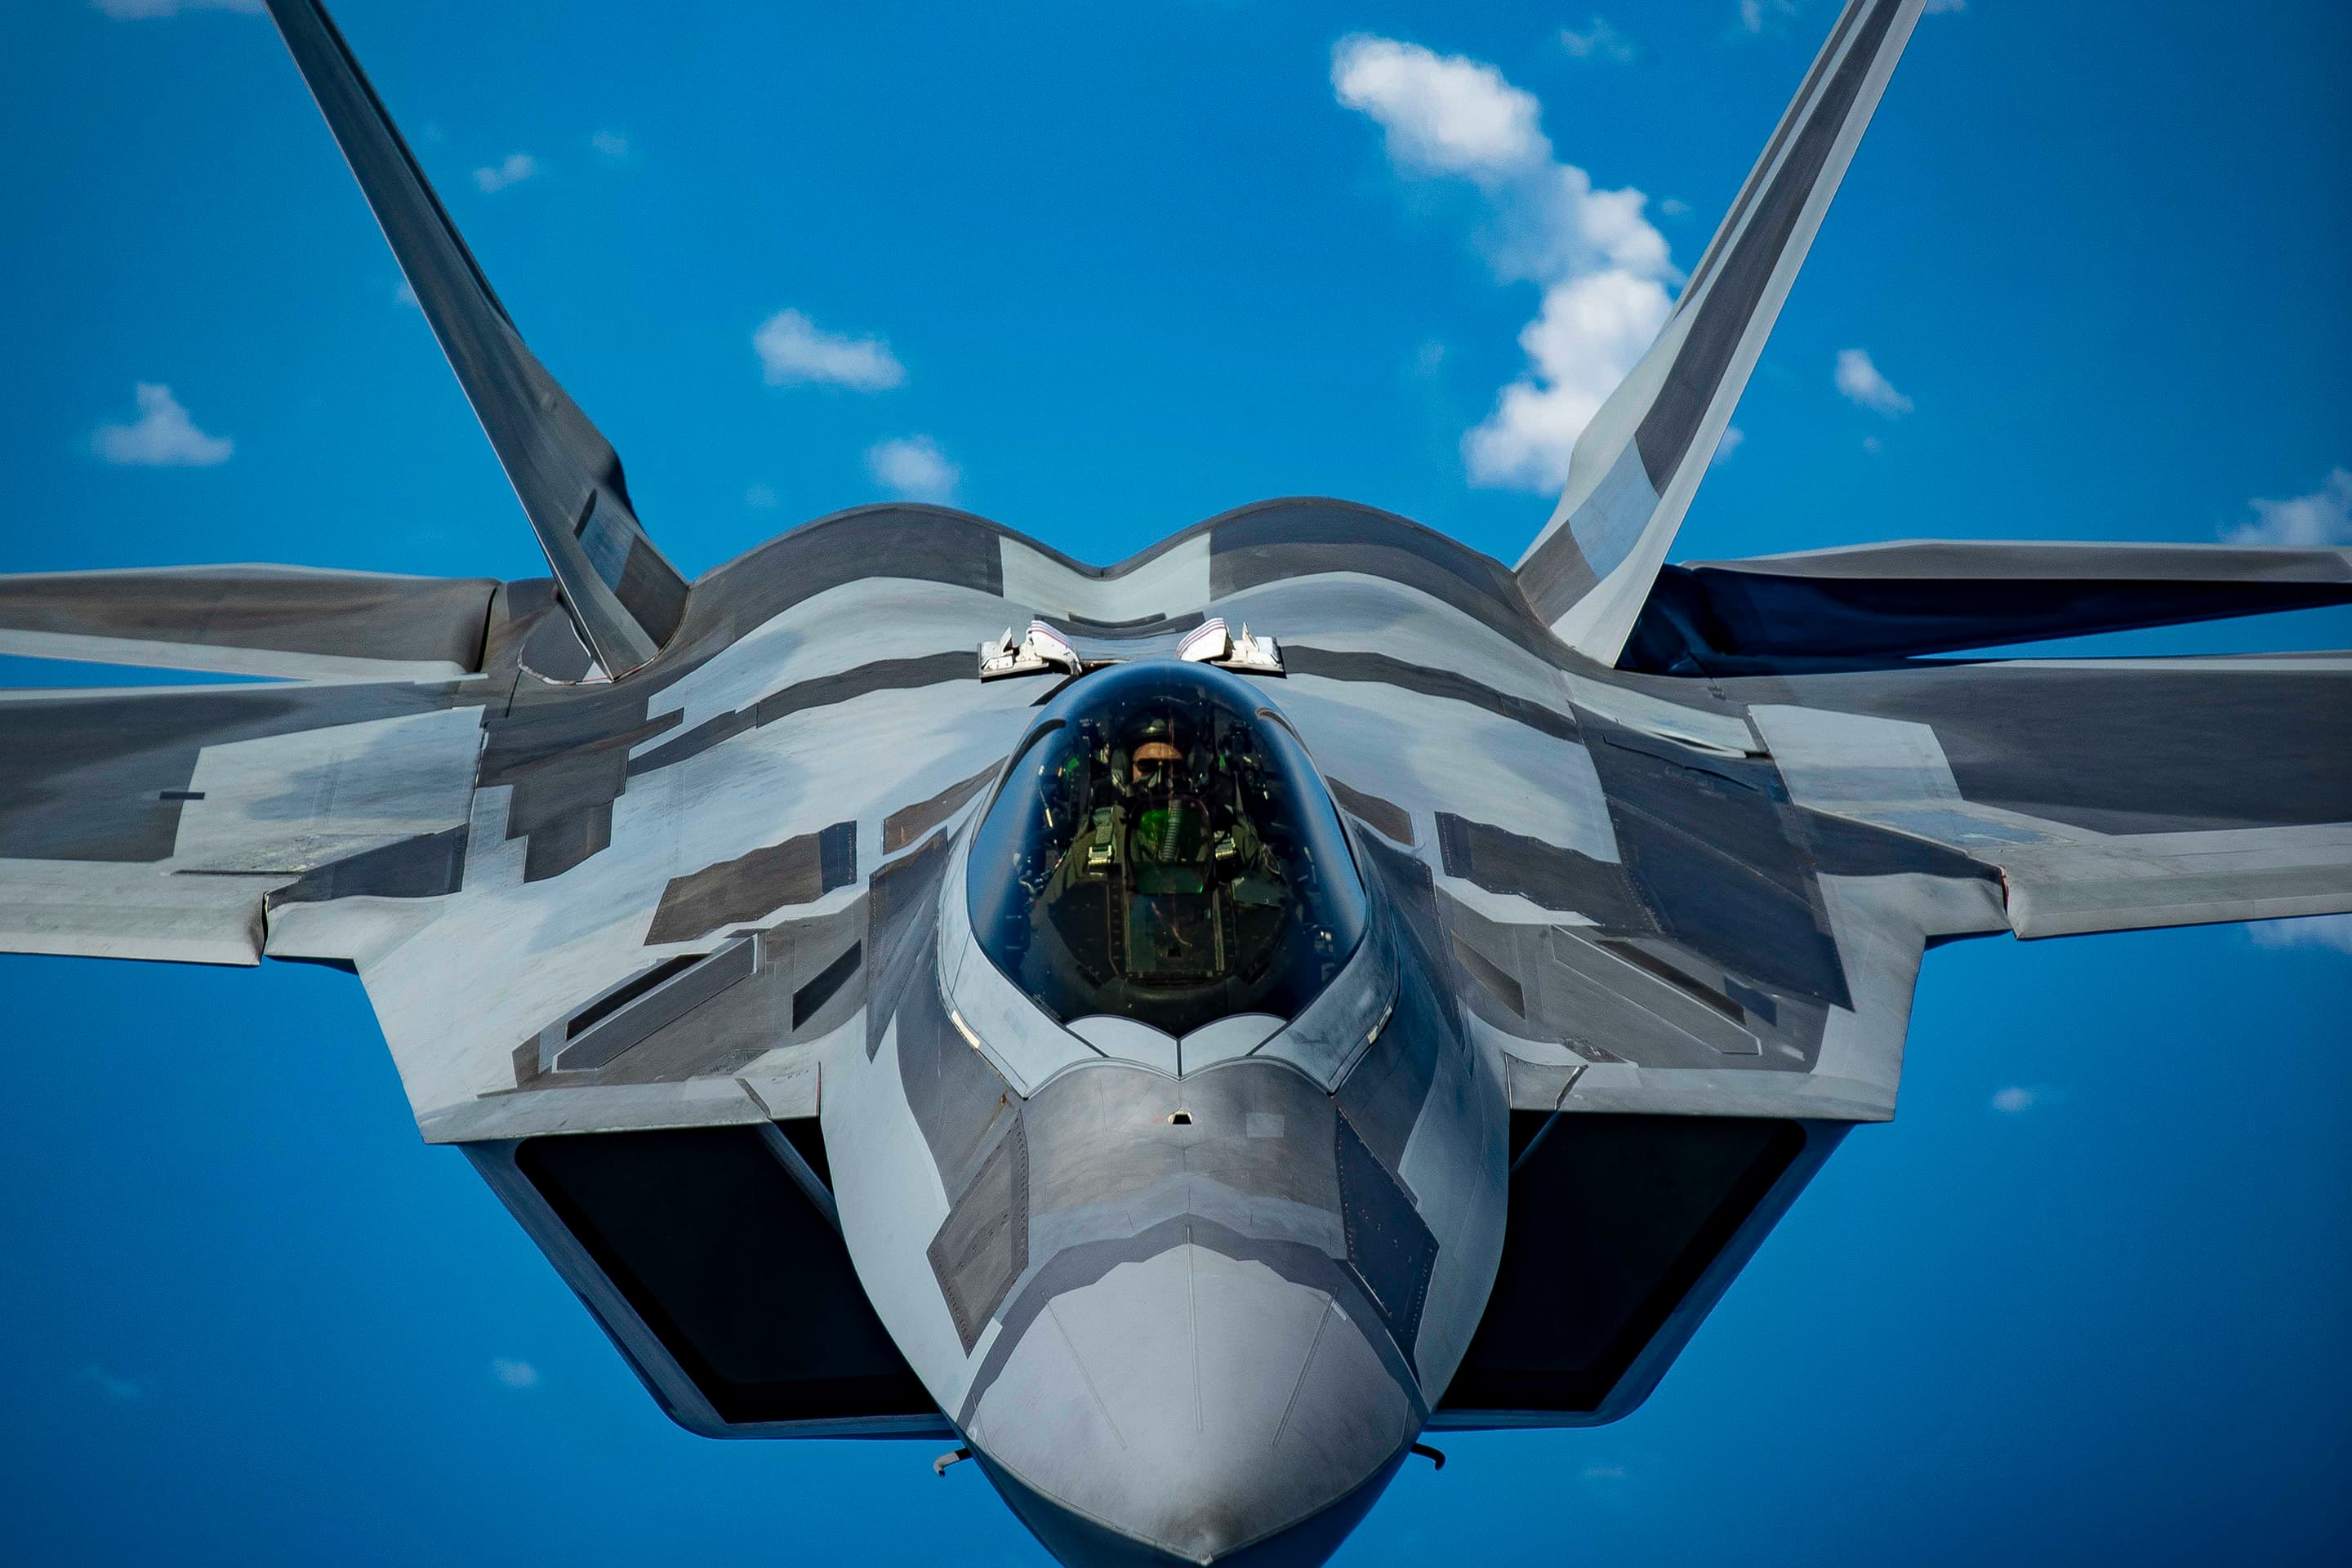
[1637,465]
[624,596]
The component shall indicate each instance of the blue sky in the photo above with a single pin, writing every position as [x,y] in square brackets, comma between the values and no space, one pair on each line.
[1099,273]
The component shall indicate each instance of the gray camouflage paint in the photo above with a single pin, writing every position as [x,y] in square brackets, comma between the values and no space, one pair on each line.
[724,888]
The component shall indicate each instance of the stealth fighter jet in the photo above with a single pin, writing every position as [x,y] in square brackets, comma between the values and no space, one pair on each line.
[1182,1030]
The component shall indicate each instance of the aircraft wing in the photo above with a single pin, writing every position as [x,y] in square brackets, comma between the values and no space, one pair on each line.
[2109,794]
[534,878]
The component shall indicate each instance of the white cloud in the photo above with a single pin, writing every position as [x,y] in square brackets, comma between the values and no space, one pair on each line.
[514,170]
[1872,444]
[610,144]
[1602,266]
[1599,41]
[162,437]
[2320,517]
[1754,15]
[1861,382]
[404,293]
[135,10]
[1592,329]
[913,467]
[1936,5]
[514,1373]
[2308,931]
[2014,1100]
[760,497]
[1674,206]
[1443,114]
[116,1388]
[796,352]
[1732,437]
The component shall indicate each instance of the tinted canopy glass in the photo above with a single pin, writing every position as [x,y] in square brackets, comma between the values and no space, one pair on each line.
[1162,851]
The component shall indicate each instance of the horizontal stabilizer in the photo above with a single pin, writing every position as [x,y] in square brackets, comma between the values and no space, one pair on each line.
[625,597]
[1638,464]
[1923,596]
[293,622]
[2110,794]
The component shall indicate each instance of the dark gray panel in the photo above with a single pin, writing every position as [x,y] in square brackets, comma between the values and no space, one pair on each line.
[422,868]
[983,1244]
[825,984]
[2121,750]
[694,742]
[1546,875]
[1383,815]
[882,675]
[85,776]
[1332,665]
[909,823]
[606,1036]
[349,614]
[1390,1246]
[799,870]
[902,917]
[1491,977]
[1383,1094]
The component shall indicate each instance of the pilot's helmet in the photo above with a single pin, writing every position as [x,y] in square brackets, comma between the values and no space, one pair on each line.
[1155,755]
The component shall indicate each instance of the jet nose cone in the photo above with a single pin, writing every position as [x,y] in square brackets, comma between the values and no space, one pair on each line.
[1192,1408]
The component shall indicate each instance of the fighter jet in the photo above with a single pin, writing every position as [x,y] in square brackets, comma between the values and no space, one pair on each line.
[1181,1031]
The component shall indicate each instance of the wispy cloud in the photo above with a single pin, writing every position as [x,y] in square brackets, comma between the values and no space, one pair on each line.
[120,1389]
[1732,437]
[2320,517]
[2017,1098]
[1861,382]
[2309,930]
[760,497]
[1599,41]
[404,293]
[1602,266]
[1935,6]
[1674,206]
[513,170]
[162,437]
[913,467]
[1756,15]
[514,1373]
[609,144]
[796,352]
[136,10]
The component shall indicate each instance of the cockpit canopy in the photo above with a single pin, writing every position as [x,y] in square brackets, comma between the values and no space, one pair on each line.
[1161,850]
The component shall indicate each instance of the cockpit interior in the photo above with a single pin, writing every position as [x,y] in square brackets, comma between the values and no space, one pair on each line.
[1163,850]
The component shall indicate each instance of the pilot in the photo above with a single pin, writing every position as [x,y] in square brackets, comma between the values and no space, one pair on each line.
[1170,842]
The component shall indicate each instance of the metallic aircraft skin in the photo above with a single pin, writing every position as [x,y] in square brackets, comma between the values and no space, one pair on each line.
[633,865]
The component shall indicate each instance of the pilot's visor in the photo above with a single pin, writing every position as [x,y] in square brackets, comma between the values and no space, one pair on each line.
[1163,850]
